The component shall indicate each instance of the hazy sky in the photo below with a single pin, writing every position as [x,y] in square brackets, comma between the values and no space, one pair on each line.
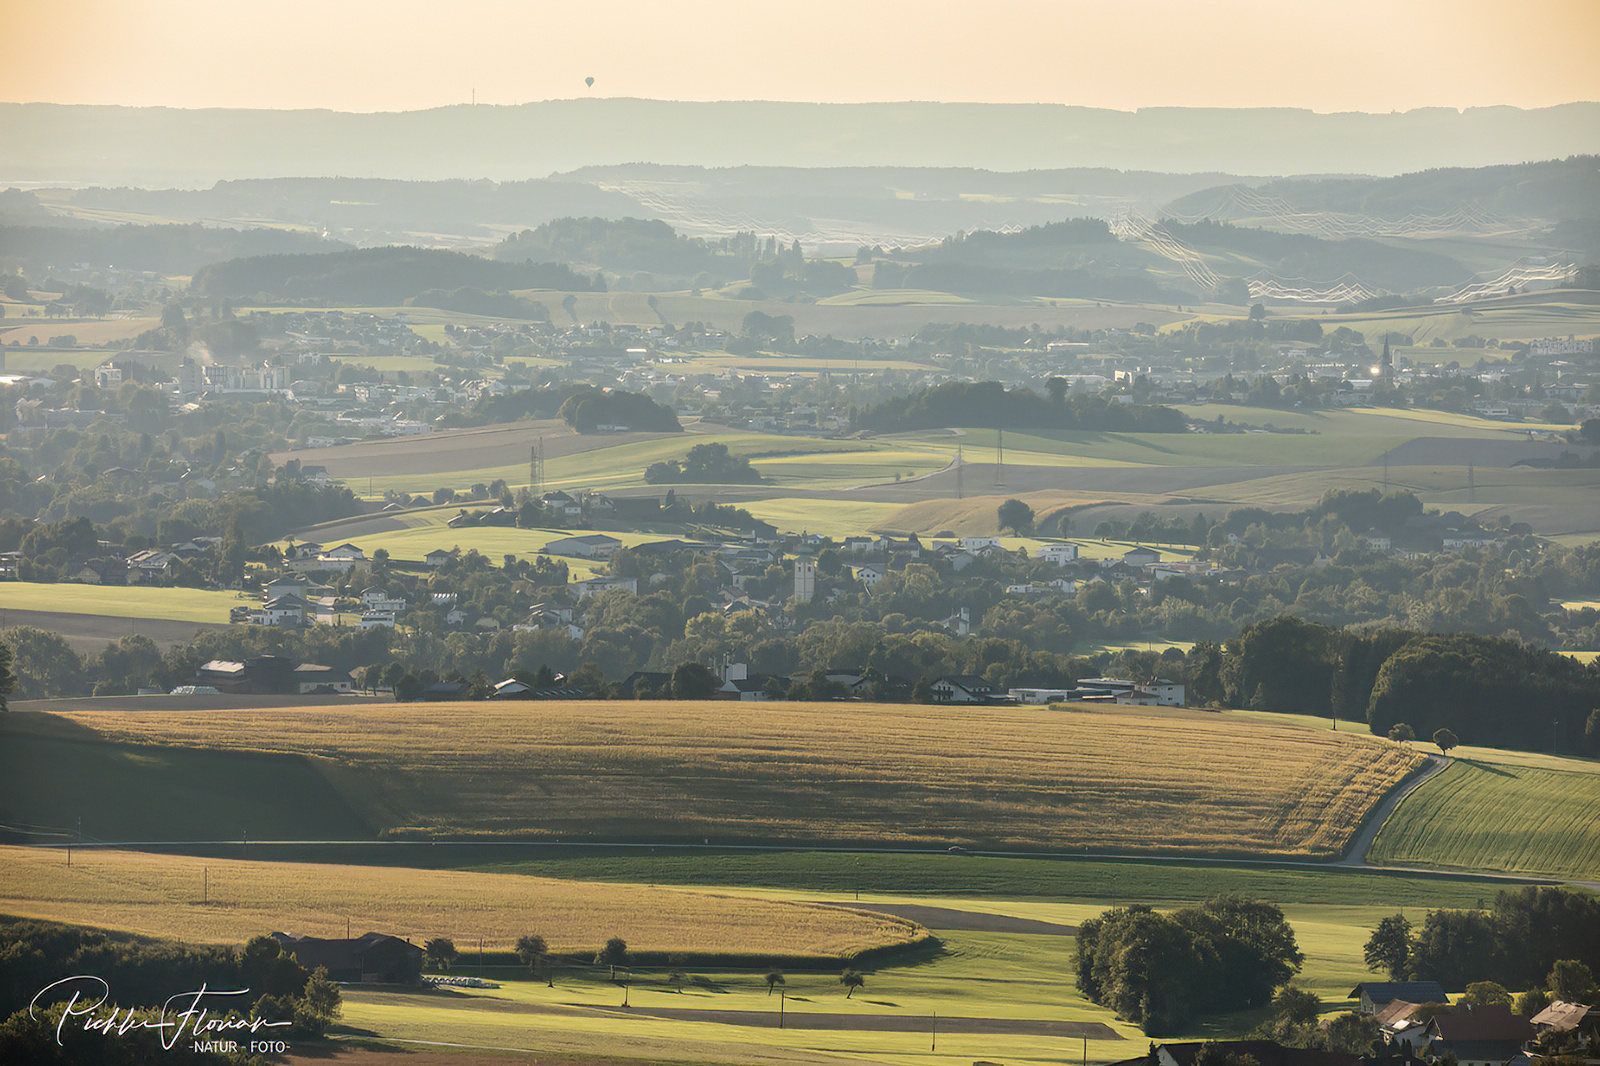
[398,55]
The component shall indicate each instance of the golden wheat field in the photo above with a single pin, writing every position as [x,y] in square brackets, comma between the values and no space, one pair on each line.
[1141,780]
[227,901]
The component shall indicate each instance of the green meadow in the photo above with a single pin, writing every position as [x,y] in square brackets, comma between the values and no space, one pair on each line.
[120,601]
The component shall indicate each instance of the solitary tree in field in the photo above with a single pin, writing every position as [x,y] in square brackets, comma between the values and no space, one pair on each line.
[1016,516]
[614,954]
[1389,947]
[1446,740]
[774,979]
[1402,732]
[531,949]
[440,952]
[851,980]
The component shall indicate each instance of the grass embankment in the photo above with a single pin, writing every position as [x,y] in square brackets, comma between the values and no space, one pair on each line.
[65,780]
[1480,815]
[119,601]
[893,775]
[211,900]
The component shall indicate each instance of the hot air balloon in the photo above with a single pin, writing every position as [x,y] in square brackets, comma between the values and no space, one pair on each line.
[589,82]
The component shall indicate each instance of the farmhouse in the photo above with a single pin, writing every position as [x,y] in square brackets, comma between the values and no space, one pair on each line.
[375,957]
[1376,994]
[1397,1022]
[1265,1052]
[1478,1034]
[284,611]
[265,674]
[1157,692]
[967,689]
[322,679]
[589,546]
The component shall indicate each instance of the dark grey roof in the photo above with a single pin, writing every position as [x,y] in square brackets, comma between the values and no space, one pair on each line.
[1411,991]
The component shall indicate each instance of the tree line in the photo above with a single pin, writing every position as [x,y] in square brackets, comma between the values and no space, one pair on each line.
[1488,691]
[142,970]
[387,276]
[1521,942]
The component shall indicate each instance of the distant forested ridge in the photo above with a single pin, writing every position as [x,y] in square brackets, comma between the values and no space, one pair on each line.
[380,277]
[1047,260]
[988,403]
[1566,188]
[161,249]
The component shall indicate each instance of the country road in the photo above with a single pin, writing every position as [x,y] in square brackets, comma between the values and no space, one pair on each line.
[1357,855]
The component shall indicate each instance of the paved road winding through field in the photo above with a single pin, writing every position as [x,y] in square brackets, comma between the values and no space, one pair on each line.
[1357,855]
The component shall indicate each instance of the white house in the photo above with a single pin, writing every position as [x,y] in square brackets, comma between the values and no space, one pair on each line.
[604,584]
[284,611]
[869,576]
[1060,554]
[560,503]
[973,544]
[374,619]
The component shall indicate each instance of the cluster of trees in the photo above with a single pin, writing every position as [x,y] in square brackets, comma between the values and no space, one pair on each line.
[1160,971]
[587,408]
[989,403]
[1491,691]
[706,464]
[49,550]
[140,970]
[382,277]
[1527,940]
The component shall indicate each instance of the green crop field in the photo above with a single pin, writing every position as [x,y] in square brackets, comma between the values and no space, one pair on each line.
[119,601]
[1481,815]
[900,776]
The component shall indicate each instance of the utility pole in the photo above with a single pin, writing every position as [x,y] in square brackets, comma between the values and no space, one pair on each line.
[1000,457]
[958,471]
